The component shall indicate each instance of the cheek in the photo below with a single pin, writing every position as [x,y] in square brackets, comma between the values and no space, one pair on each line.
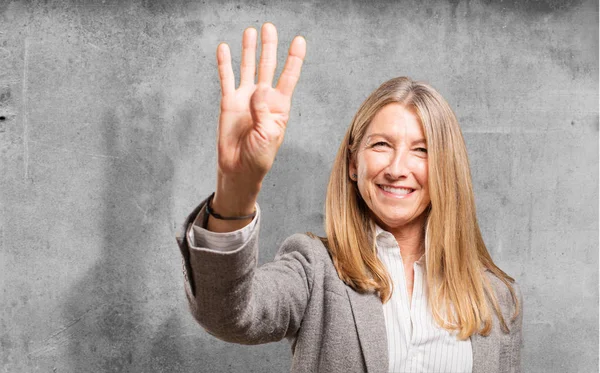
[421,172]
[371,164]
[422,175]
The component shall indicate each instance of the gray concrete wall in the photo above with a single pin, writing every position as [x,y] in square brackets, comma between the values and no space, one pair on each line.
[108,112]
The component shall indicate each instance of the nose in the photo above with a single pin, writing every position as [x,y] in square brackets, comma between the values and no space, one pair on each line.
[398,167]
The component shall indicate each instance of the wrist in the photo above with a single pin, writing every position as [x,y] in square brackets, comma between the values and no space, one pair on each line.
[235,196]
[216,215]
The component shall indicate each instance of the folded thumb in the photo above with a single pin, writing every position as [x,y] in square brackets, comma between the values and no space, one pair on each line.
[258,104]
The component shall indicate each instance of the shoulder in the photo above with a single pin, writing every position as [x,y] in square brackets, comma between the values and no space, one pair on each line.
[500,288]
[309,250]
[305,244]
[307,256]
[507,302]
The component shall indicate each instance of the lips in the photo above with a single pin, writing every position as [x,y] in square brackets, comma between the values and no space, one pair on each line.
[398,191]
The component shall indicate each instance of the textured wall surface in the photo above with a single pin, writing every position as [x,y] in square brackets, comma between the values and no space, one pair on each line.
[108,113]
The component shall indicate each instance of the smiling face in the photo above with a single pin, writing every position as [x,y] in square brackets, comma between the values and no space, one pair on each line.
[391,169]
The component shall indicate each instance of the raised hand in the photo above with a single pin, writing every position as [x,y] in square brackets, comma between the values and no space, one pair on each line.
[253,117]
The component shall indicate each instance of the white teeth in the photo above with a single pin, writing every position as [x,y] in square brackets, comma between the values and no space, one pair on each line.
[398,191]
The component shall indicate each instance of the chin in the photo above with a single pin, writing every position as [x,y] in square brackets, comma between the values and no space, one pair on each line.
[399,223]
[395,221]
[391,221]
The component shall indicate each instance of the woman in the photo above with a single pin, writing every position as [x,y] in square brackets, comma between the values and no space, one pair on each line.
[403,280]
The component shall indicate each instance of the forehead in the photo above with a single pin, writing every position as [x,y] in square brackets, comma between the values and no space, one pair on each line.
[395,120]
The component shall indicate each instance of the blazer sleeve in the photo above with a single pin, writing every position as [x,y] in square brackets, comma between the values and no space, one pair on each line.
[516,332]
[237,302]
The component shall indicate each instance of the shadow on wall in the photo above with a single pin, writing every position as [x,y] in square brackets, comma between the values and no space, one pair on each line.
[294,191]
[119,322]
[112,333]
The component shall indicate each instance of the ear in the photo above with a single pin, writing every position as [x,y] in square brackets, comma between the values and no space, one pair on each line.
[352,170]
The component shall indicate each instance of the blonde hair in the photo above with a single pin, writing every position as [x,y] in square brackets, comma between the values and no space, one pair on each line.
[455,253]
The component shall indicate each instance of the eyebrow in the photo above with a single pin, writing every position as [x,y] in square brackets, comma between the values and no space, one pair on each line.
[377,134]
[415,142]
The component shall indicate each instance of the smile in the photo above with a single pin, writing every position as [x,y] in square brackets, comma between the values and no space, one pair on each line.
[399,192]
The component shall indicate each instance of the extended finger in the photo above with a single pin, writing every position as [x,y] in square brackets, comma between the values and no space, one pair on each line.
[225,70]
[293,65]
[268,54]
[248,67]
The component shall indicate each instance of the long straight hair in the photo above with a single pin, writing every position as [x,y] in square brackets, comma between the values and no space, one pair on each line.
[455,254]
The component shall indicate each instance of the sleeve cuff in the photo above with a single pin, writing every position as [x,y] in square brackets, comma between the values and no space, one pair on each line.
[201,238]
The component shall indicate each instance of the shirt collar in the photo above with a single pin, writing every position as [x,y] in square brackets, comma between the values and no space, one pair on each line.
[386,241]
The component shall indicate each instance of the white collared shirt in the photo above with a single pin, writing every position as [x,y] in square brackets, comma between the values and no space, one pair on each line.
[415,342]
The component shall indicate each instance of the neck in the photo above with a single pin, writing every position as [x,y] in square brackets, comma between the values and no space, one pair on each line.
[411,245]
[411,239]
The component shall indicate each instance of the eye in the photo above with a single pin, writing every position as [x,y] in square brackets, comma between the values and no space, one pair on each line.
[380,143]
[422,150]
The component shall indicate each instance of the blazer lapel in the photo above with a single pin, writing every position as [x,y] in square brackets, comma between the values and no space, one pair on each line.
[370,324]
[486,354]
[490,354]
[477,343]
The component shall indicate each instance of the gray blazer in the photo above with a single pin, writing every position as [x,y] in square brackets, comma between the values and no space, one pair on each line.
[300,297]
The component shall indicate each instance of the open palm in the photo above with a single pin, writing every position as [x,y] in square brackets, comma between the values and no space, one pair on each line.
[253,117]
